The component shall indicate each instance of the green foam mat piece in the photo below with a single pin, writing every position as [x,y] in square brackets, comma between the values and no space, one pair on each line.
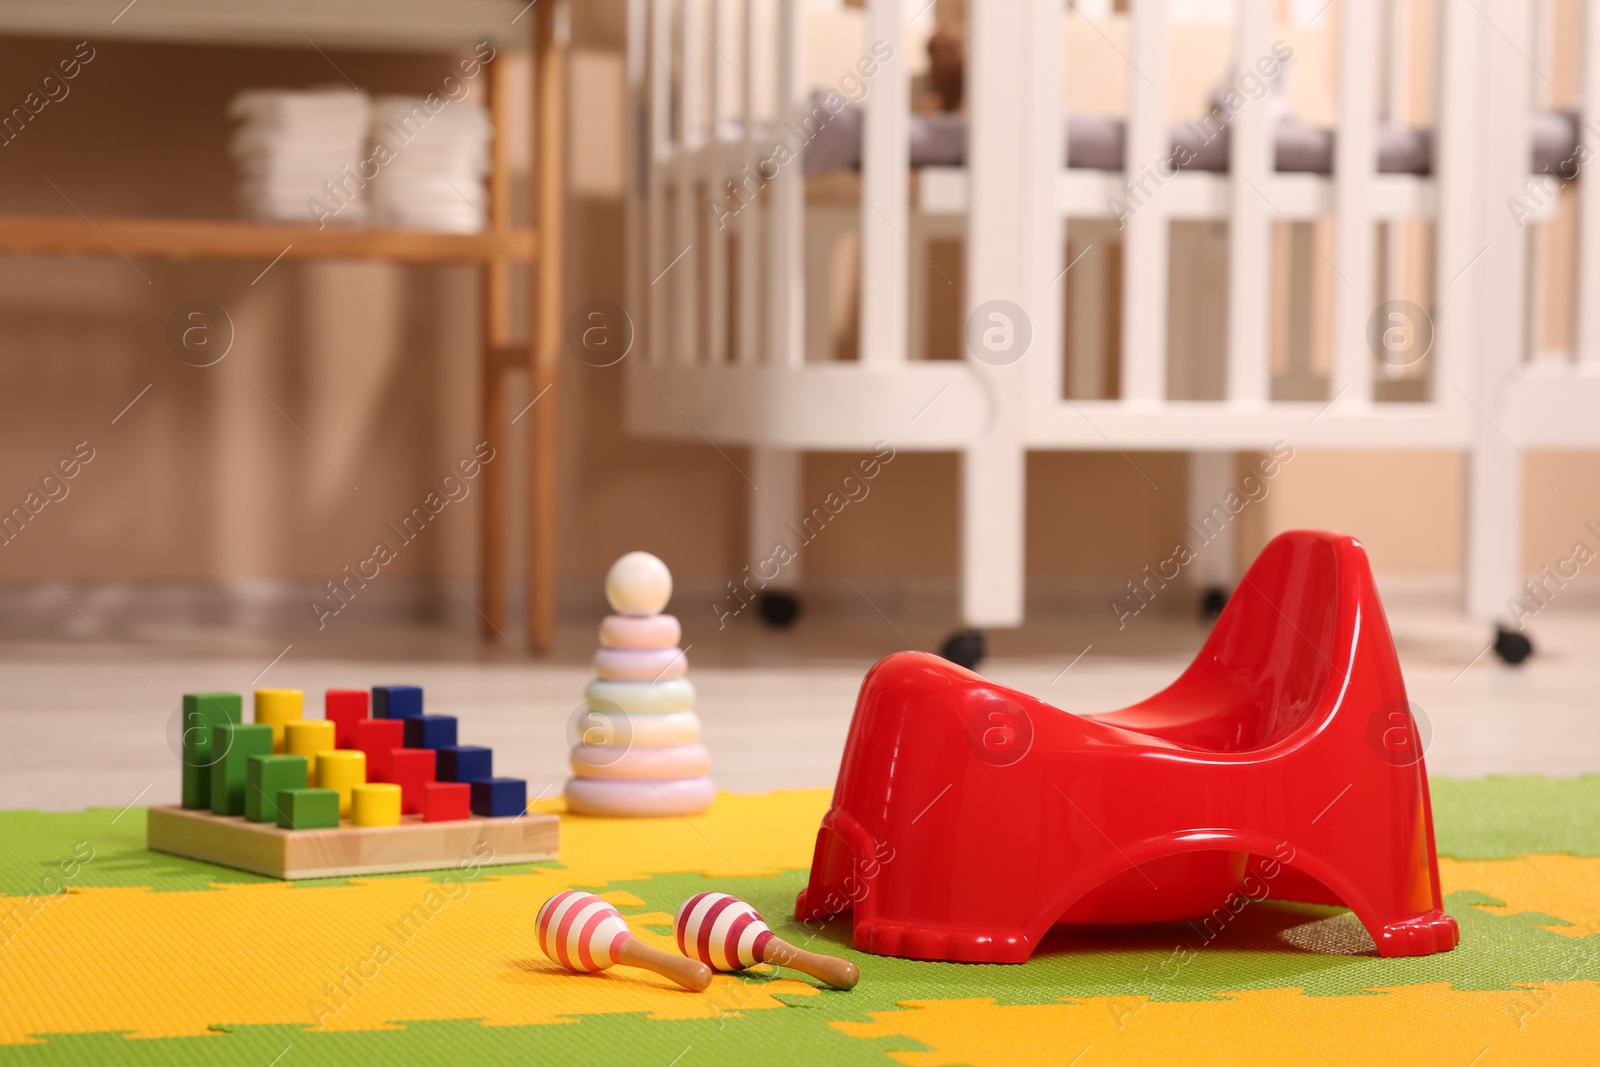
[776,1039]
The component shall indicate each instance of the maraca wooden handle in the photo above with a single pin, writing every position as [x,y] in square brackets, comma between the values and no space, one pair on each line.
[840,974]
[691,974]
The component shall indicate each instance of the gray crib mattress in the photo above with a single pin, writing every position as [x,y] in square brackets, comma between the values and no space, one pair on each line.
[1096,143]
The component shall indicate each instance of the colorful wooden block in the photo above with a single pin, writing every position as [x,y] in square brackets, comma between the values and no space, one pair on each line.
[201,712]
[231,745]
[376,804]
[377,738]
[499,796]
[396,701]
[308,737]
[465,763]
[344,708]
[308,809]
[267,776]
[446,801]
[342,770]
[430,731]
[277,708]
[411,769]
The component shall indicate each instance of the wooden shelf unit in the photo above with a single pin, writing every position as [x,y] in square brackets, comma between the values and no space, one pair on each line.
[503,245]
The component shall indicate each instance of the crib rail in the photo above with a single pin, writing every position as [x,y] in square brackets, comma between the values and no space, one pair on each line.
[731,269]
[726,244]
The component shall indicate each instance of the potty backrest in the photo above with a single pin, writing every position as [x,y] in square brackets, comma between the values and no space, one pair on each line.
[1269,665]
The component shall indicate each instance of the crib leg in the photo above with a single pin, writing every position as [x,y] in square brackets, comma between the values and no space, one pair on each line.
[1494,540]
[1214,570]
[992,509]
[776,551]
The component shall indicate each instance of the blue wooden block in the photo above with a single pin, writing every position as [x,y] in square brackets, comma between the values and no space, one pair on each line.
[465,763]
[493,797]
[396,701]
[430,731]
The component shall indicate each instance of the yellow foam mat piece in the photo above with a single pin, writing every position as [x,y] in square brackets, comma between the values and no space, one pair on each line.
[1566,887]
[1546,1022]
[360,956]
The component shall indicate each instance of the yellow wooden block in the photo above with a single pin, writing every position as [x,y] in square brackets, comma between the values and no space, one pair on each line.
[342,769]
[277,708]
[308,737]
[375,804]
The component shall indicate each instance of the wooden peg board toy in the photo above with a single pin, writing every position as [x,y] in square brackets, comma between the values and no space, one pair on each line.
[414,845]
[252,802]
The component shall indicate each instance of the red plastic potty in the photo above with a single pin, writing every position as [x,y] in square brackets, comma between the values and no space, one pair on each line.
[969,818]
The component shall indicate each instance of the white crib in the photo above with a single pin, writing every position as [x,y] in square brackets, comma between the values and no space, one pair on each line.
[729,345]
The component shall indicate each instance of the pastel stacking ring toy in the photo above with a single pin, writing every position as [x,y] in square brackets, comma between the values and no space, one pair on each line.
[581,932]
[641,762]
[640,664]
[726,933]
[674,694]
[635,631]
[619,797]
[636,747]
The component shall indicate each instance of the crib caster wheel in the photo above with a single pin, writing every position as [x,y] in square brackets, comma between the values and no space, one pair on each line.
[964,648]
[778,610]
[1213,598]
[1511,646]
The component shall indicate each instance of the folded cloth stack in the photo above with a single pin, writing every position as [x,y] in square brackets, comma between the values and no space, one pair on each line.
[299,148]
[432,175]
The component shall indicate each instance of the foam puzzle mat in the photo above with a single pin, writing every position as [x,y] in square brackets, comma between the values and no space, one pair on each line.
[110,954]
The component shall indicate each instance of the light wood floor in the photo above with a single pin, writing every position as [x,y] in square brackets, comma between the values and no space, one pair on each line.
[90,721]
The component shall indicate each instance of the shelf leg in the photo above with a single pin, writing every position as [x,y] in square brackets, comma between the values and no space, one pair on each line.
[549,153]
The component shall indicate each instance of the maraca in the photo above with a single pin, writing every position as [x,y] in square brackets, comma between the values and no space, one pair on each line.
[583,933]
[728,934]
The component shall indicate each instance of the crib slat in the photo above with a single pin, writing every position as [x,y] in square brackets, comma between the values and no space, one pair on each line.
[1046,160]
[744,193]
[711,173]
[1396,108]
[1456,230]
[1250,138]
[786,270]
[684,275]
[659,151]
[885,162]
[638,157]
[1588,325]
[1146,234]
[1355,156]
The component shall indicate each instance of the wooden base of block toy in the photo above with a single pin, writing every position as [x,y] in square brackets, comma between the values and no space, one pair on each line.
[414,845]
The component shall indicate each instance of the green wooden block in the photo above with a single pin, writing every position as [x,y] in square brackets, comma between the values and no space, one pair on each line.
[201,712]
[231,745]
[308,809]
[267,776]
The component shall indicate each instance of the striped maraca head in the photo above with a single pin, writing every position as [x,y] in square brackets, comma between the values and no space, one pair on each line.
[721,931]
[580,931]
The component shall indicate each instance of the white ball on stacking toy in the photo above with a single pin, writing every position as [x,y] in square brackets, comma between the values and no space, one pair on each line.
[638,584]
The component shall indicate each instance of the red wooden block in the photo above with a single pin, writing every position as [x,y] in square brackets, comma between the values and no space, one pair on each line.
[377,738]
[344,708]
[411,769]
[444,801]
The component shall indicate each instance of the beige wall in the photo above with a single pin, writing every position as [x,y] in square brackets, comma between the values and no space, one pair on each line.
[203,480]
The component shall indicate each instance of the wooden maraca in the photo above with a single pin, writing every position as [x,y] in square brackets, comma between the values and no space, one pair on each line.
[728,934]
[581,932]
